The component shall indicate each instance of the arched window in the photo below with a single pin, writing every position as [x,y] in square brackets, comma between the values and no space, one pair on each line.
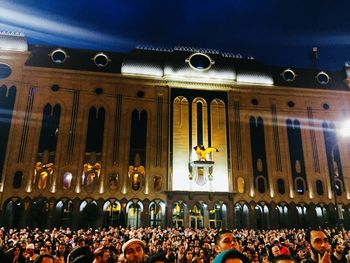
[134,210]
[178,214]
[300,184]
[338,187]
[88,213]
[238,215]
[261,185]
[111,213]
[240,185]
[319,187]
[67,180]
[196,216]
[17,179]
[245,216]
[216,216]
[280,186]
[259,216]
[156,211]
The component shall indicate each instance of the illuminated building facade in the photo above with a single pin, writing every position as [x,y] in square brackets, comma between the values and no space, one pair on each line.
[172,137]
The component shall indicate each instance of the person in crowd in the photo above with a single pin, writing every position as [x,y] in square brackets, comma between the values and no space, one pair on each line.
[338,256]
[275,250]
[231,256]
[203,243]
[101,255]
[44,258]
[29,253]
[319,246]
[264,258]
[17,255]
[283,258]
[61,253]
[225,240]
[80,250]
[134,251]
[158,258]
[45,250]
[300,255]
[187,257]
[181,252]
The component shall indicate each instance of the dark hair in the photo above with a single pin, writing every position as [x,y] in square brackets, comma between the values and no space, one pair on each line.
[99,252]
[219,234]
[308,233]
[263,255]
[158,257]
[283,257]
[334,245]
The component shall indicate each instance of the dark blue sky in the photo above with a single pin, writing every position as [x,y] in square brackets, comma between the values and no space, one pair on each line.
[274,32]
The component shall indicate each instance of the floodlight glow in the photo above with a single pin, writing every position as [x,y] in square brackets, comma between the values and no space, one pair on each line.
[24,19]
[345,129]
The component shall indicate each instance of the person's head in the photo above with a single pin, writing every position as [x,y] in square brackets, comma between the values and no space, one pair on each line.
[158,258]
[336,247]
[134,251]
[17,249]
[188,255]
[275,251]
[196,251]
[301,253]
[225,240]
[81,242]
[319,242]
[105,242]
[95,245]
[181,249]
[30,249]
[101,255]
[44,250]
[264,258]
[283,259]
[61,248]
[44,258]
[231,256]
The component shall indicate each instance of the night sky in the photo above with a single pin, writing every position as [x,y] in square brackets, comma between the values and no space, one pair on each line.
[274,32]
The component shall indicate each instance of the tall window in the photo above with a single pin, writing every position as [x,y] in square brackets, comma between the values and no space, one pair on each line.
[7,101]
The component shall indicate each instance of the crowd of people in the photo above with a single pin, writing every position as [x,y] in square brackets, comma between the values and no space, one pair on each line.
[168,245]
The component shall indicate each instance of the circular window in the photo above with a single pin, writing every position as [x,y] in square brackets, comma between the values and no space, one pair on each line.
[5,71]
[58,56]
[200,62]
[55,87]
[254,101]
[140,94]
[288,75]
[325,106]
[101,60]
[290,104]
[322,78]
[98,91]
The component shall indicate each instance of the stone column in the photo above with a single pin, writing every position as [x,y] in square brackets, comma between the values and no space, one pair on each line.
[145,214]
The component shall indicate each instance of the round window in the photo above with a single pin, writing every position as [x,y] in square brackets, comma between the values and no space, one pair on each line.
[58,56]
[5,71]
[200,62]
[288,75]
[101,60]
[322,78]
